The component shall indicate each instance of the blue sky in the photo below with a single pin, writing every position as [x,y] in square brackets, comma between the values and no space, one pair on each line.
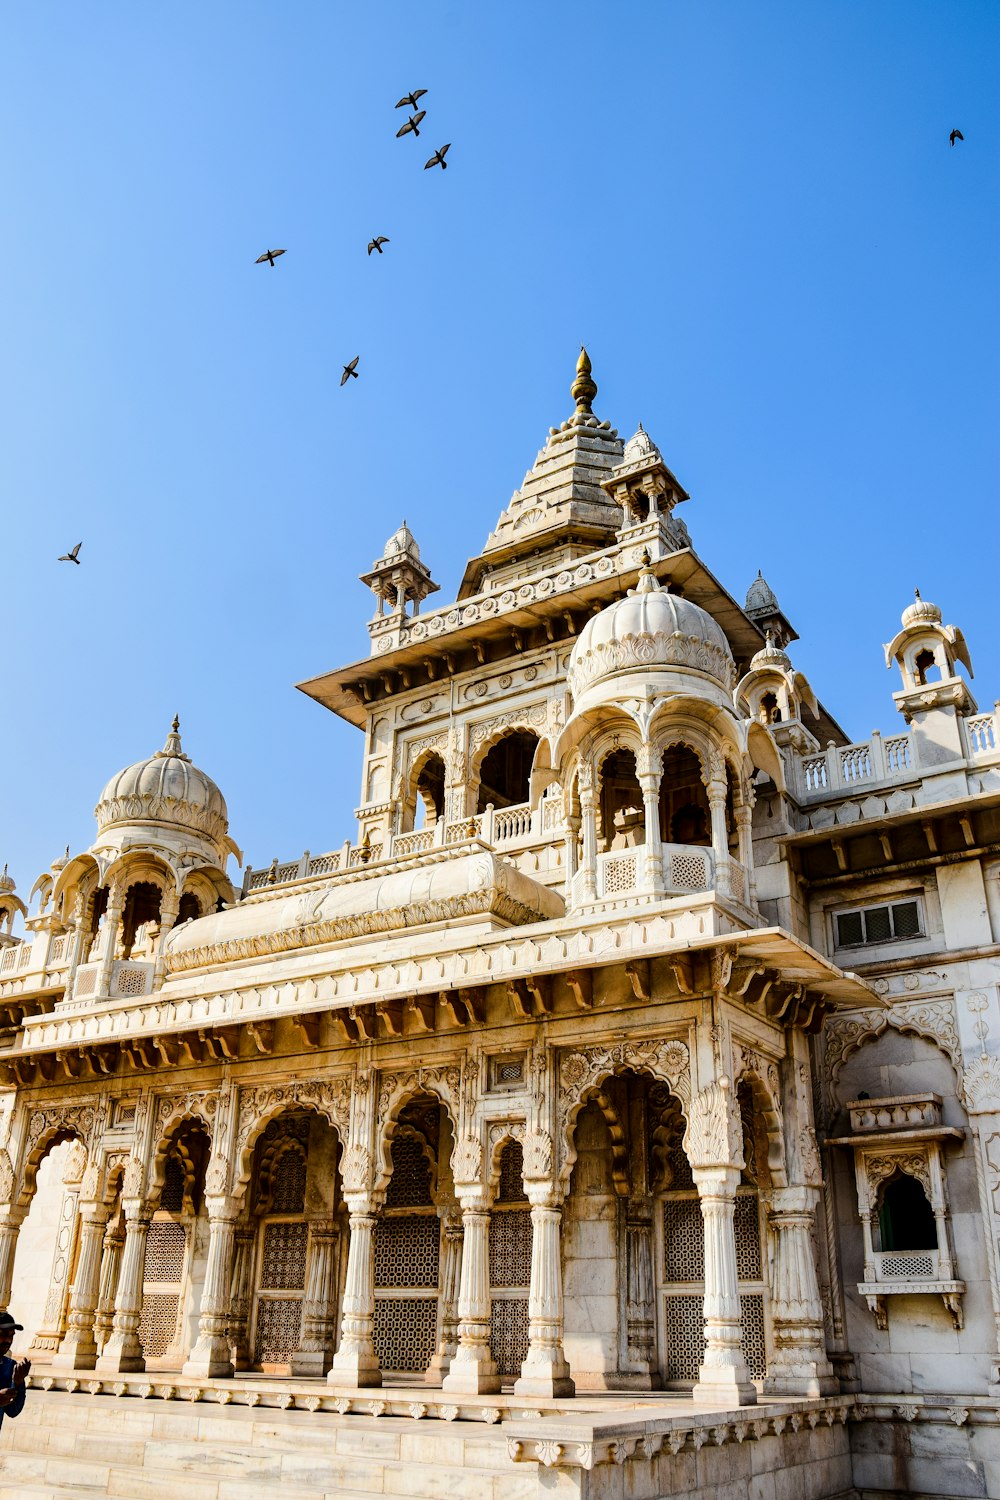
[749,212]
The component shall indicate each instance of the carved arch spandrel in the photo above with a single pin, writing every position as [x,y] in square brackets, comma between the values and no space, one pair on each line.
[48,1128]
[582,1071]
[395,1091]
[761,1075]
[932,1019]
[329,1098]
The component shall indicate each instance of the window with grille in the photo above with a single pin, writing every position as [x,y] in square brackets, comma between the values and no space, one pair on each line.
[166,1253]
[878,924]
[510,1264]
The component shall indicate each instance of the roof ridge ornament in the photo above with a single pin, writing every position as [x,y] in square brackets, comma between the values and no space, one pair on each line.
[584,388]
[173,744]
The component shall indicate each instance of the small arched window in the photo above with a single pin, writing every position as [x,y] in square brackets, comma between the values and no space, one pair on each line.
[922,665]
[770,713]
[906,1220]
[430,793]
[505,774]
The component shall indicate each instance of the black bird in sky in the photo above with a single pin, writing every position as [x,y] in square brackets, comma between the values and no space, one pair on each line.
[269,256]
[411,124]
[411,99]
[956,135]
[377,243]
[438,159]
[349,370]
[72,554]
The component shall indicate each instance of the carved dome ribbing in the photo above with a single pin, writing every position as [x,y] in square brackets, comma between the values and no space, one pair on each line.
[920,612]
[646,629]
[166,788]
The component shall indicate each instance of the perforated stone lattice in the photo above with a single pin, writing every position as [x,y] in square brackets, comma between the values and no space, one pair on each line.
[747,1230]
[510,1188]
[754,1345]
[283,1263]
[683,1240]
[406,1250]
[509,1333]
[279,1321]
[620,875]
[410,1183]
[687,872]
[684,1319]
[158,1323]
[405,1332]
[131,982]
[172,1194]
[288,1182]
[165,1245]
[907,1265]
[510,1248]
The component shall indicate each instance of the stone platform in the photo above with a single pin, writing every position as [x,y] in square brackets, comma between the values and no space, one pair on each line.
[137,1436]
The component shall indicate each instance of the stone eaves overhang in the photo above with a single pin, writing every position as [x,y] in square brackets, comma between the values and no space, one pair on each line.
[918,837]
[550,972]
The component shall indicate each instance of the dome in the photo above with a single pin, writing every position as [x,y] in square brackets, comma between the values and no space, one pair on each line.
[6,882]
[403,541]
[920,612]
[646,629]
[166,788]
[770,656]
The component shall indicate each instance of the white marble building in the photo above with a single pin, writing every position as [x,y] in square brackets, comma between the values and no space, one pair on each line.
[644,1038]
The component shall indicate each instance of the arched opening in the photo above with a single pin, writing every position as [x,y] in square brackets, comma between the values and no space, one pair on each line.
[140,918]
[505,772]
[430,793]
[923,664]
[293,1205]
[621,819]
[45,1261]
[176,1249]
[98,907]
[188,908]
[510,1264]
[407,1244]
[770,713]
[684,810]
[905,1217]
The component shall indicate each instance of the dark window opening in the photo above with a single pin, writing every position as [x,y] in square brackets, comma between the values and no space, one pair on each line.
[684,814]
[623,823]
[142,907]
[922,664]
[430,793]
[505,774]
[770,713]
[188,907]
[878,924]
[906,1219]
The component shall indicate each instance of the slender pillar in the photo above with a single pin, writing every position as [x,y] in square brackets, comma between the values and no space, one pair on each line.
[78,1350]
[640,1326]
[545,1372]
[168,916]
[472,1369]
[588,815]
[451,1271]
[355,1362]
[80,935]
[724,1376]
[245,1236]
[720,839]
[571,846]
[800,1366]
[123,1350]
[112,920]
[111,1259]
[319,1306]
[10,1227]
[212,1354]
[649,768]
[744,823]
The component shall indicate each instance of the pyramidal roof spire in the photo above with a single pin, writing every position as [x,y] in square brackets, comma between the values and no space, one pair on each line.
[584,388]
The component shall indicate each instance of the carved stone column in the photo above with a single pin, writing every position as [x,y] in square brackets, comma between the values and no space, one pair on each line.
[78,1350]
[545,1372]
[81,906]
[649,769]
[714,1146]
[716,790]
[640,1324]
[319,1306]
[244,1239]
[588,816]
[112,921]
[451,1270]
[169,905]
[744,824]
[355,1362]
[572,847]
[111,1259]
[123,1350]
[800,1366]
[212,1353]
[11,1220]
[473,1371]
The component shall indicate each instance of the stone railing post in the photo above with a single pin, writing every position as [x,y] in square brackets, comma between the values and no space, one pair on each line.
[355,1362]
[319,1305]
[123,1350]
[78,1350]
[212,1353]
[800,1366]
[545,1372]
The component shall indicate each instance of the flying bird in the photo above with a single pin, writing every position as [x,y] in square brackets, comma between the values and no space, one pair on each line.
[72,555]
[411,99]
[956,135]
[269,256]
[377,243]
[438,159]
[411,124]
[349,370]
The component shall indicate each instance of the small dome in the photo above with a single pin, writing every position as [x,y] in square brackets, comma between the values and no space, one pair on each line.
[640,445]
[760,597]
[646,629]
[61,861]
[920,612]
[166,788]
[402,541]
[770,656]
[6,882]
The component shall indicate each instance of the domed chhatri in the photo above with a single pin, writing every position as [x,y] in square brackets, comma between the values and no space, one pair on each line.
[402,541]
[166,788]
[760,597]
[7,882]
[650,628]
[770,655]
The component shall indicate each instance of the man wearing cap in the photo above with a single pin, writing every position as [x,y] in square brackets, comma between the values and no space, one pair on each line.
[13,1372]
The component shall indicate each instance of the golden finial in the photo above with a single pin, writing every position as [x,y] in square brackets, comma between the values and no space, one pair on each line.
[583,390]
[175,726]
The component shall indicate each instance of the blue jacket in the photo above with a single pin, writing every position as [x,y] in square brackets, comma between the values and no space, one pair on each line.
[6,1378]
